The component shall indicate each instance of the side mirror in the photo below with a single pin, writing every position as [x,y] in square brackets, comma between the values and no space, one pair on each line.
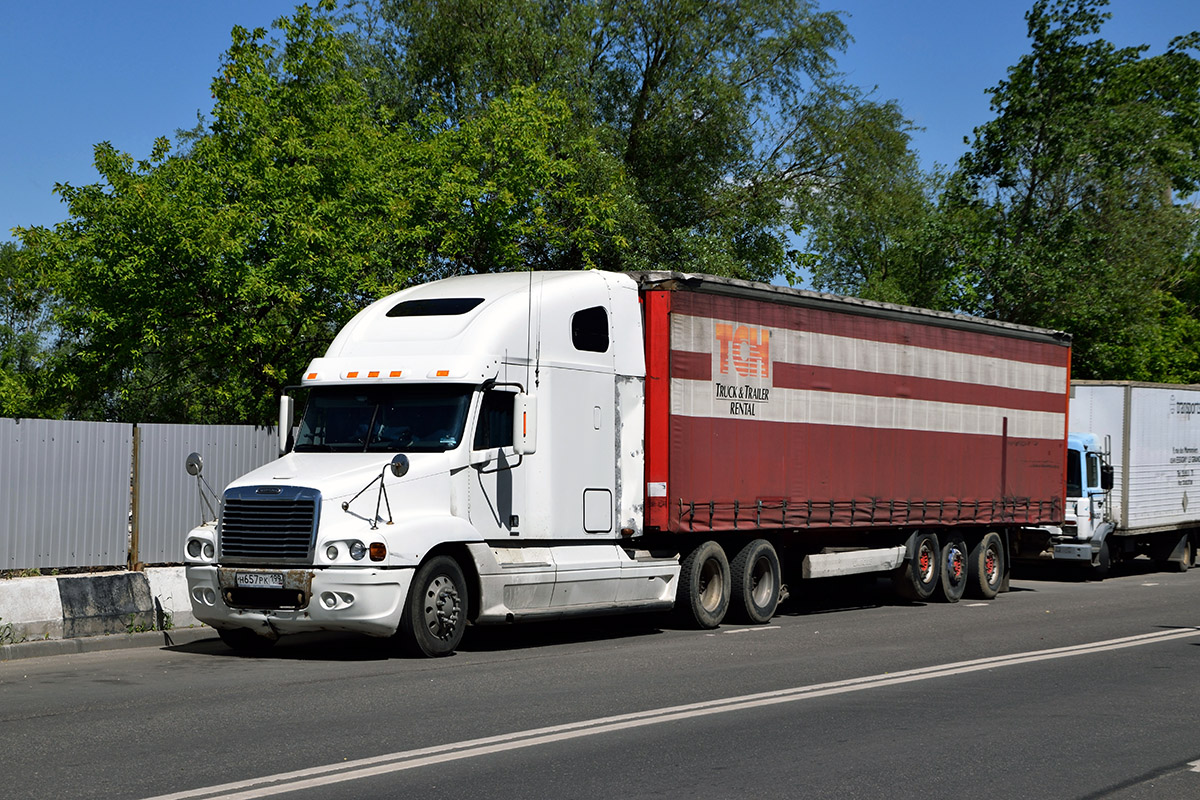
[524,424]
[193,464]
[287,410]
[399,465]
[1106,477]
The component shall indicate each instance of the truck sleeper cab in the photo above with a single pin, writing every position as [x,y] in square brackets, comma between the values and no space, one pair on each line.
[493,520]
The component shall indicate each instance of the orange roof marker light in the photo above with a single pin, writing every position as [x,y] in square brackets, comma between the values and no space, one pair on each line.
[373,373]
[394,373]
[312,376]
[443,373]
[352,374]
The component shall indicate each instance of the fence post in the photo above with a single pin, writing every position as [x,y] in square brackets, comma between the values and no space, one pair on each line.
[133,562]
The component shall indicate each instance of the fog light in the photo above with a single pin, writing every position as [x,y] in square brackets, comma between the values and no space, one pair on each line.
[378,551]
[209,552]
[357,551]
[331,552]
[329,600]
[193,548]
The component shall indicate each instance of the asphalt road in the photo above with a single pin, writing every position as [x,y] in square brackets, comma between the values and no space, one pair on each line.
[1057,689]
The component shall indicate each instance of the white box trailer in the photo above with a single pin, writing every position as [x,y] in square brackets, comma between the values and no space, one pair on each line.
[1144,440]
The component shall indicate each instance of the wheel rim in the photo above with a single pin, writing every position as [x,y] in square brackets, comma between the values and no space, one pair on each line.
[991,565]
[762,583]
[711,587]
[956,564]
[442,607]
[925,562]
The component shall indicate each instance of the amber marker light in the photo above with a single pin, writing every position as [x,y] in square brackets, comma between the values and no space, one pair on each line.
[352,374]
[373,374]
[443,373]
[394,373]
[378,551]
[312,376]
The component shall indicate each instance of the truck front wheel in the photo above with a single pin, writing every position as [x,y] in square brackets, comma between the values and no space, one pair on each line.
[757,578]
[435,613]
[704,586]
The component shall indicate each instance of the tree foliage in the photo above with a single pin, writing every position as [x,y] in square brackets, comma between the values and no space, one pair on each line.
[1064,212]
[196,283]
[728,118]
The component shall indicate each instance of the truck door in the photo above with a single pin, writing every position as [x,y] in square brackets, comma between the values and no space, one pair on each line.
[496,485]
[1095,492]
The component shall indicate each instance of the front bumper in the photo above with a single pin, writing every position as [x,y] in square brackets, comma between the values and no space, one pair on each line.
[367,600]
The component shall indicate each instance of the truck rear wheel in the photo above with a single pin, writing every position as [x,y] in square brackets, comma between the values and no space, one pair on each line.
[435,613]
[704,586]
[757,577]
[955,569]
[987,567]
[917,579]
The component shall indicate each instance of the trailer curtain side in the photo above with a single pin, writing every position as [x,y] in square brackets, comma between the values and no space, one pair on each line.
[771,408]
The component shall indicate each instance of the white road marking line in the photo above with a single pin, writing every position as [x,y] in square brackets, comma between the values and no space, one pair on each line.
[977,605]
[753,630]
[314,777]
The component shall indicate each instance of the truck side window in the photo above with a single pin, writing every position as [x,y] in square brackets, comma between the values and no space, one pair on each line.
[495,426]
[1093,469]
[1074,473]
[589,330]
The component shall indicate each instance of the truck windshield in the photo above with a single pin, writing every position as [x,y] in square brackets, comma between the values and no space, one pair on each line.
[384,418]
[1074,474]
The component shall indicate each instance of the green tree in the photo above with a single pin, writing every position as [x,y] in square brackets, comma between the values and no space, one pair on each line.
[1062,213]
[196,283]
[729,118]
[26,332]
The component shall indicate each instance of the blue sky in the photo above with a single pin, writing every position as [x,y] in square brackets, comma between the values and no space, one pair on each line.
[76,73]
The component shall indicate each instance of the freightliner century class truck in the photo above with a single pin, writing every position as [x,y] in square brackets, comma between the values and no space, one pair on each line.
[1131,480]
[504,447]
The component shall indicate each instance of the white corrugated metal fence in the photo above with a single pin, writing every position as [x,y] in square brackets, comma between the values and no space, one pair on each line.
[80,494]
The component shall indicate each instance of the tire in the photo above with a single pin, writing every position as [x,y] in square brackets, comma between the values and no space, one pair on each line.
[987,564]
[704,587]
[955,569]
[435,612]
[1183,565]
[756,580]
[918,578]
[245,641]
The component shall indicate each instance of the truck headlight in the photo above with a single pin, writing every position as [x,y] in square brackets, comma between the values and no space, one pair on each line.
[194,548]
[331,552]
[358,550]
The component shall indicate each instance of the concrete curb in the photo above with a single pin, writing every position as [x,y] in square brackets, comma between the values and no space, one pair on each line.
[61,611]
[95,644]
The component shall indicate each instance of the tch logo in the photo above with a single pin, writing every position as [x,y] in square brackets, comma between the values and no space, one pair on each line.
[747,349]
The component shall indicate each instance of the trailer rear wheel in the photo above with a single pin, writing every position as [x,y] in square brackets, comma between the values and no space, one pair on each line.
[704,586]
[955,569]
[987,567]
[435,612]
[757,577]
[917,579]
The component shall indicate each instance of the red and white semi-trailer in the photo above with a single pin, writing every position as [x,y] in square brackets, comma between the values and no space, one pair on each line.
[493,448]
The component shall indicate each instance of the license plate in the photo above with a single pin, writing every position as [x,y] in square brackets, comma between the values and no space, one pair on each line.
[270,580]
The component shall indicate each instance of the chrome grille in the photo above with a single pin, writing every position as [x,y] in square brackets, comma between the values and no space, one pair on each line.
[269,525]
